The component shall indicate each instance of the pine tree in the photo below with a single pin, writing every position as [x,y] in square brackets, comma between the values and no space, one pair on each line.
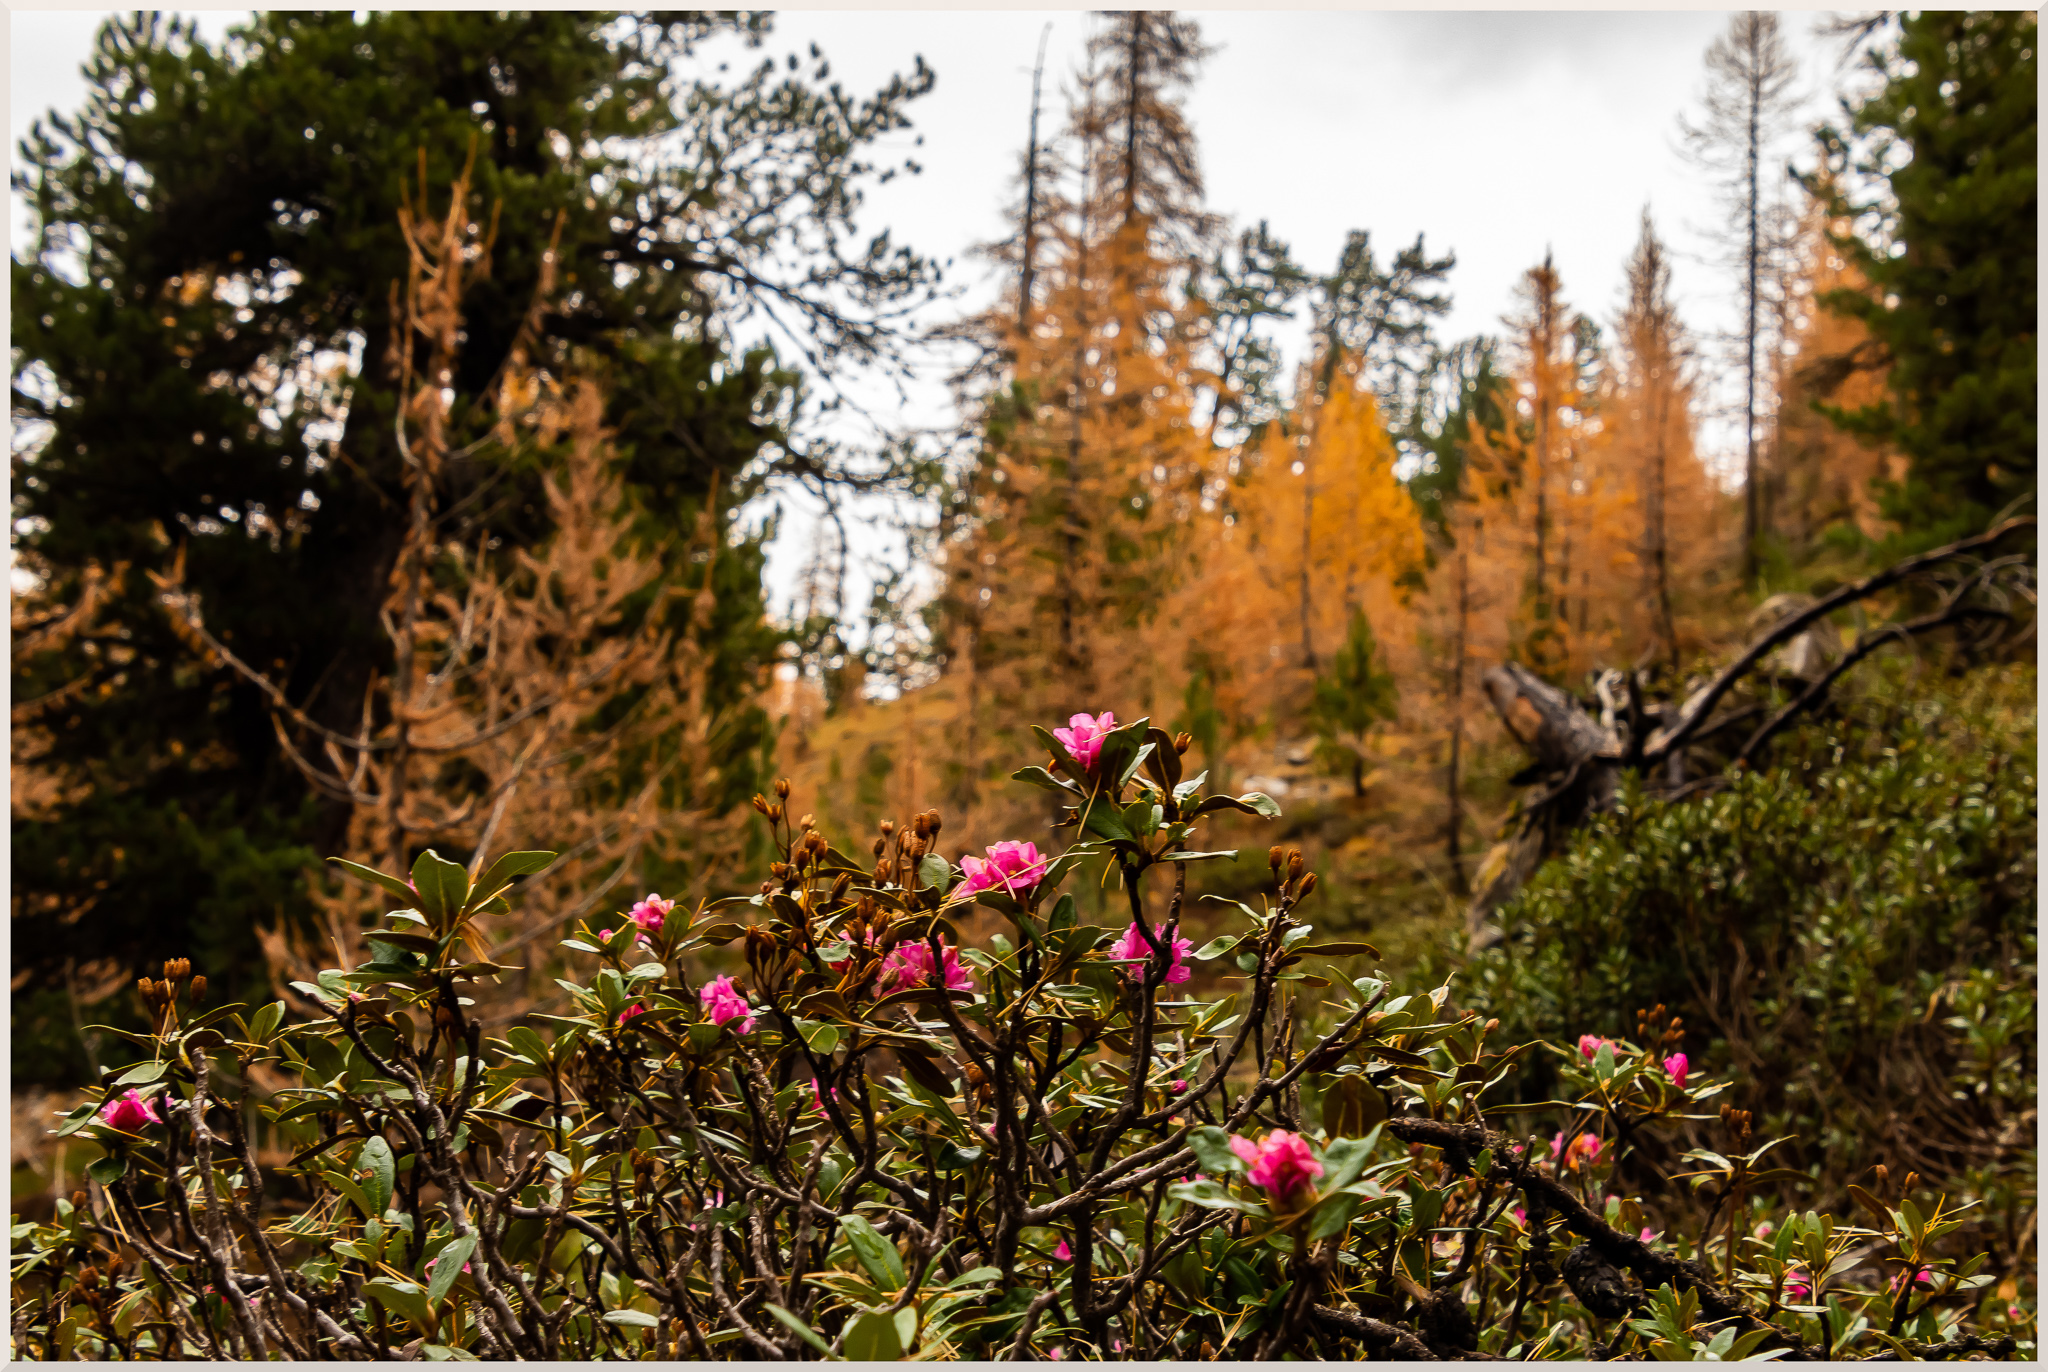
[1936,186]
[1748,100]
[204,367]
[1353,694]
[1652,409]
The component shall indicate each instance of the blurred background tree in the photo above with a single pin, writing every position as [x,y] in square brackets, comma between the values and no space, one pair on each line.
[200,358]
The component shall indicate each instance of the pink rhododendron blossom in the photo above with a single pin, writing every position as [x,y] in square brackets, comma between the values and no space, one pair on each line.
[432,1261]
[1012,866]
[650,913]
[1797,1287]
[1056,1353]
[1648,1235]
[1764,1229]
[130,1112]
[630,1011]
[1280,1162]
[1083,738]
[818,1095]
[1134,950]
[909,965]
[1521,1217]
[1179,1086]
[1924,1277]
[1063,1253]
[1676,1067]
[1589,1046]
[724,1004]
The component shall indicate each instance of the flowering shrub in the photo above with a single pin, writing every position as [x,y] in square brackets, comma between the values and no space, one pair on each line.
[885,1138]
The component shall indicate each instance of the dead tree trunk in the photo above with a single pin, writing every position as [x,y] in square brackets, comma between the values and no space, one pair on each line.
[1577,760]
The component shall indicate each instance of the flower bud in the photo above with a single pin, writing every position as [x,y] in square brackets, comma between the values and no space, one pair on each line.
[1883,1173]
[775,814]
[1308,884]
[839,885]
[937,823]
[1293,864]
[79,1200]
[921,825]
[1275,856]
[198,989]
[782,788]
[1492,1025]
[147,990]
[805,823]
[1912,1180]
[761,804]
[888,827]
[880,844]
[767,888]
[1182,742]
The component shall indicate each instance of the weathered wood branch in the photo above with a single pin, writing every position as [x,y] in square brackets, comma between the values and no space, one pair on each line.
[1579,760]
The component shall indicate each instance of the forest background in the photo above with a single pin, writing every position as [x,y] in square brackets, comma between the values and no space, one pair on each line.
[381,483]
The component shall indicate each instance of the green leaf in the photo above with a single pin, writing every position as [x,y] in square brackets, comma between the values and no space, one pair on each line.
[876,1254]
[1038,776]
[1103,821]
[1228,855]
[1212,1150]
[1345,1160]
[1216,947]
[443,887]
[447,1267]
[1255,803]
[499,874]
[376,878]
[935,872]
[143,1072]
[872,1337]
[631,1319]
[265,1023]
[800,1329]
[1331,1216]
[1212,1195]
[108,1170]
[404,1297]
[376,1156]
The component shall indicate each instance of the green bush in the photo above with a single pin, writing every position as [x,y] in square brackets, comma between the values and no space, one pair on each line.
[1067,1141]
[1850,935]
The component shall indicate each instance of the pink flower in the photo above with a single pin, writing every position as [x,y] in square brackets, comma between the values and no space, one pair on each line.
[630,1011]
[1764,1229]
[1180,1086]
[909,965]
[1648,1235]
[724,1004]
[1056,1353]
[605,936]
[1083,739]
[1675,1067]
[1924,1277]
[1280,1162]
[818,1096]
[1063,1253]
[1797,1287]
[130,1112]
[1583,1151]
[1015,867]
[1521,1217]
[1135,951]
[649,913]
[1589,1046]
[432,1261]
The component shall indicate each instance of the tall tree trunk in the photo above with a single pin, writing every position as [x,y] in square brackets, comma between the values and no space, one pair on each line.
[1660,555]
[1031,199]
[1453,818]
[1751,526]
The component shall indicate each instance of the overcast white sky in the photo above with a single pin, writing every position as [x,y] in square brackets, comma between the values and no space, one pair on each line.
[1496,134]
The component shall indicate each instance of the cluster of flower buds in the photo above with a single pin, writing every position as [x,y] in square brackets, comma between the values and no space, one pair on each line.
[774,810]
[160,996]
[1647,1032]
[1737,1123]
[1298,883]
